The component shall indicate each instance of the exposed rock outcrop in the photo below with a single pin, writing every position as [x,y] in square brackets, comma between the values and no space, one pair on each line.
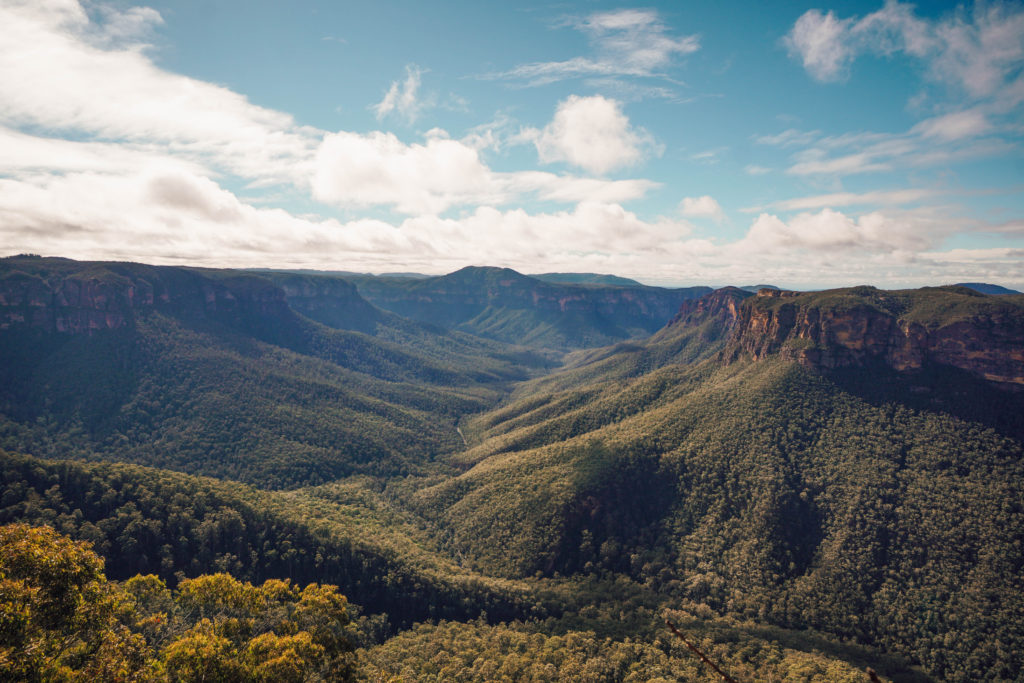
[68,297]
[722,304]
[332,301]
[905,330]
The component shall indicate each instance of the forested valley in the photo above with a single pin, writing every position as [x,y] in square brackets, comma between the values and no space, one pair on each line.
[235,475]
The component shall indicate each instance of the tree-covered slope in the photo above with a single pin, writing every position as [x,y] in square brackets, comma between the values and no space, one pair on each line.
[212,372]
[148,521]
[501,304]
[848,461]
[873,507]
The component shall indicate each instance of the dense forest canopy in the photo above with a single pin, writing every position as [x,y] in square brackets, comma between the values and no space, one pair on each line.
[296,476]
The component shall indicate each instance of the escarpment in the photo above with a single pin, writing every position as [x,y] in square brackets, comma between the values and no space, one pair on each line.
[722,304]
[904,330]
[69,297]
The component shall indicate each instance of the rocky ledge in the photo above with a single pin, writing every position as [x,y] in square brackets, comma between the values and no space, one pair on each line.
[70,297]
[905,330]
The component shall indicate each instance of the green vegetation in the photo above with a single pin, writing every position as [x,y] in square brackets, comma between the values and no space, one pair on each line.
[253,393]
[60,619]
[147,521]
[932,307]
[501,304]
[588,279]
[766,492]
[797,523]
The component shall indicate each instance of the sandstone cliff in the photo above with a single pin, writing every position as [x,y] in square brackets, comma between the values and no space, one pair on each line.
[333,301]
[722,304]
[904,330]
[70,297]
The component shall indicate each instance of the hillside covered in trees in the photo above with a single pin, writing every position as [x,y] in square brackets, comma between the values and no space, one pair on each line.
[808,484]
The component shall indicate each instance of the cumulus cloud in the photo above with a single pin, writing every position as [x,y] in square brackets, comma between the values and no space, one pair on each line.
[821,42]
[173,216]
[627,42]
[178,217]
[106,155]
[592,133]
[354,170]
[363,170]
[59,71]
[830,230]
[980,52]
[702,207]
[402,97]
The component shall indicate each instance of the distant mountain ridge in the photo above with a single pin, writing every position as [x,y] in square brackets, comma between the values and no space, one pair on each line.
[213,372]
[986,288]
[587,279]
[502,304]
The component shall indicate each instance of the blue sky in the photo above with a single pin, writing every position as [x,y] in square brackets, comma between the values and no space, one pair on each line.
[678,143]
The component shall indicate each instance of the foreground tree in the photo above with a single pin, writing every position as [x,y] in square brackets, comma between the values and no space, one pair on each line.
[60,619]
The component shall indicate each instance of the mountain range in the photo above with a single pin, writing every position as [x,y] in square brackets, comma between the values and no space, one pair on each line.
[807,483]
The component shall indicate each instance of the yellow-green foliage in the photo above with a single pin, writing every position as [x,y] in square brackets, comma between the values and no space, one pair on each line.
[452,651]
[60,619]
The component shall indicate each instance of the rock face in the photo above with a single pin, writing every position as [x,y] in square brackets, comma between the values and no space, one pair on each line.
[905,330]
[722,304]
[329,300]
[68,297]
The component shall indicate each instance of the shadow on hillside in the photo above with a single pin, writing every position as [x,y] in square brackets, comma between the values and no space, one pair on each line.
[940,389]
[890,666]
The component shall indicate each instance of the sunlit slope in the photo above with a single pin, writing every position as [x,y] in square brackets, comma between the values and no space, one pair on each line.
[144,520]
[861,500]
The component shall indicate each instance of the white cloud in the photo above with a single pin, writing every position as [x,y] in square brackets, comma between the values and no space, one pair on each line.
[637,39]
[702,207]
[754,169]
[62,73]
[936,140]
[570,189]
[402,97]
[820,40]
[789,137]
[91,79]
[627,42]
[363,170]
[25,154]
[980,52]
[355,170]
[830,230]
[814,162]
[175,217]
[876,198]
[151,153]
[592,133]
[956,126]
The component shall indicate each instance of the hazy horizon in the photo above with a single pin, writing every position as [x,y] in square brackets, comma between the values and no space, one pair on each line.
[807,147]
